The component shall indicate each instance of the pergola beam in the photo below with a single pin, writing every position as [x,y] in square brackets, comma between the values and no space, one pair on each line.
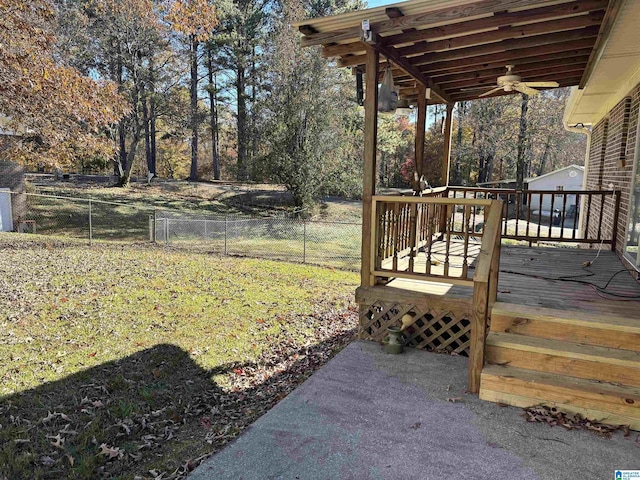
[450,49]
[472,26]
[392,55]
[536,41]
[437,17]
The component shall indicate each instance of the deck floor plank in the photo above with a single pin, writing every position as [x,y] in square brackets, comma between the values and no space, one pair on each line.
[550,278]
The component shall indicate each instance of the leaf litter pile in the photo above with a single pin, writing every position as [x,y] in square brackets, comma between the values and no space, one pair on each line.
[572,421]
[139,362]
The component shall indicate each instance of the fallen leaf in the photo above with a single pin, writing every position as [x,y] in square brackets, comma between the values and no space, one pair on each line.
[111,452]
[92,354]
[59,440]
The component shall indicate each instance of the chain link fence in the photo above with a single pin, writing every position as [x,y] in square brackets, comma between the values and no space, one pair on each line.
[335,244]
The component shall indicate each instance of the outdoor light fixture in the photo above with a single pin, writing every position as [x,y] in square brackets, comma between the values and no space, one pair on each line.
[403,108]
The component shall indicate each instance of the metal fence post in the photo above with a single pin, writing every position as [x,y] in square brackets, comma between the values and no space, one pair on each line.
[225,234]
[90,226]
[155,225]
[166,231]
[304,241]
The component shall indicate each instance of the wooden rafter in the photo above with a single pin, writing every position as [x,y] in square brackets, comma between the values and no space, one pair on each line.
[432,18]
[392,55]
[499,20]
[465,45]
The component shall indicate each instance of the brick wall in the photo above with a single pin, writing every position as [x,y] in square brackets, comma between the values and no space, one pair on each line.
[611,159]
[12,176]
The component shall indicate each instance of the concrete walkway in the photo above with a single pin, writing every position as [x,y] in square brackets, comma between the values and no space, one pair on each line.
[369,415]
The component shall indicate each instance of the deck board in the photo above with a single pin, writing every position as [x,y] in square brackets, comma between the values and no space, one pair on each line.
[542,277]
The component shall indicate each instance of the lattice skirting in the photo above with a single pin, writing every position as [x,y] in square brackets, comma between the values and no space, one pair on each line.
[442,330]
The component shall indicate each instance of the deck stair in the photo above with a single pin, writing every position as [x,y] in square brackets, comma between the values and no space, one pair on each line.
[577,362]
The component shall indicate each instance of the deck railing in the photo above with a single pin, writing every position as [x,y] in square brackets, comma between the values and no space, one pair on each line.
[442,240]
[427,238]
[552,215]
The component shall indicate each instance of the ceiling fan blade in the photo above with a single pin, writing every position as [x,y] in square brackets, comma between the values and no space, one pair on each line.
[471,89]
[494,90]
[524,88]
[541,84]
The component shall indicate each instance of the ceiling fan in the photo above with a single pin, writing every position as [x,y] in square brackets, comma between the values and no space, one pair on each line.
[511,82]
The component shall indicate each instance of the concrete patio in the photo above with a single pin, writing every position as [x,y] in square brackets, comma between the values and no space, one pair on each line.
[369,415]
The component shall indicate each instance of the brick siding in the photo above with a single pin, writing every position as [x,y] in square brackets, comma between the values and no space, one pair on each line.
[613,143]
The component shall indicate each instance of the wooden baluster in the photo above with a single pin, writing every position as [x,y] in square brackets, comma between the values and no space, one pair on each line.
[431,215]
[539,218]
[465,222]
[575,216]
[505,214]
[563,214]
[528,214]
[586,226]
[449,226]
[602,198]
[518,201]
[396,226]
[551,212]
[413,224]
[475,197]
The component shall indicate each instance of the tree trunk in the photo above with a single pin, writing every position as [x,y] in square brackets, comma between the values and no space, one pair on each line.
[125,178]
[147,131]
[241,122]
[121,162]
[522,142]
[152,118]
[153,132]
[457,174]
[213,115]
[254,133]
[193,62]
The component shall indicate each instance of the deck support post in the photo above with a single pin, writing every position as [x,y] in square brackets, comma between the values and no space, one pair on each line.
[369,175]
[421,124]
[446,156]
[478,334]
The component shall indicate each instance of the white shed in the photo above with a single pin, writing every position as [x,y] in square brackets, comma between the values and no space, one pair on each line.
[567,178]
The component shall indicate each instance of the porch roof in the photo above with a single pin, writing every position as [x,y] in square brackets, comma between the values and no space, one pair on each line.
[458,48]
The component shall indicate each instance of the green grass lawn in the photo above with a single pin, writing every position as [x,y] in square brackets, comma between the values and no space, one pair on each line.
[139,361]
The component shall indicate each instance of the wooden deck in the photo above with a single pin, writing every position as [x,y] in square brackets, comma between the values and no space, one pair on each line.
[550,278]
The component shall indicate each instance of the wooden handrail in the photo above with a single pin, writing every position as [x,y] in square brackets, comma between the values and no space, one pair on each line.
[552,215]
[485,283]
[432,200]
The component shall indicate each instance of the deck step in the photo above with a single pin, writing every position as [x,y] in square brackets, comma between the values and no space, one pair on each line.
[605,402]
[590,362]
[570,325]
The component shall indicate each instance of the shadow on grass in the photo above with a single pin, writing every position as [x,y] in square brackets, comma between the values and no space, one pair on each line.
[153,414]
